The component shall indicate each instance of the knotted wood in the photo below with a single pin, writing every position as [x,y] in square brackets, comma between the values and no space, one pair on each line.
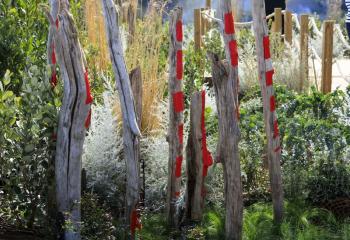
[175,116]
[131,130]
[71,128]
[270,117]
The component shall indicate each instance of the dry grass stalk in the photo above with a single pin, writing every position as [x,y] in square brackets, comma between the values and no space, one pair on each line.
[96,33]
[145,52]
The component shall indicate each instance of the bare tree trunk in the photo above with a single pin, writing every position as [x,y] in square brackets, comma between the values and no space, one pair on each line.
[74,114]
[271,125]
[176,107]
[131,130]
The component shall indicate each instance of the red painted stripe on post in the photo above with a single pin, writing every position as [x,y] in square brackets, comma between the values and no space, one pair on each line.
[53,78]
[229,23]
[276,131]
[277,149]
[89,97]
[178,166]
[180,132]
[177,194]
[179,65]
[57,23]
[233,53]
[179,32]
[53,55]
[272,104]
[269,78]
[207,158]
[135,222]
[178,102]
[266,43]
[88,120]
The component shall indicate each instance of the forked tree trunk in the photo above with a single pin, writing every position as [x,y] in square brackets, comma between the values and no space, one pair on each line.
[176,107]
[74,113]
[131,130]
[225,81]
[271,126]
[194,156]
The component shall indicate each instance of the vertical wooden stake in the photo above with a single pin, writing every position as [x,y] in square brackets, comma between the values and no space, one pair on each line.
[131,131]
[176,108]
[197,29]
[288,27]
[327,56]
[304,51]
[132,14]
[278,21]
[208,4]
[225,82]
[203,23]
[194,156]
[271,125]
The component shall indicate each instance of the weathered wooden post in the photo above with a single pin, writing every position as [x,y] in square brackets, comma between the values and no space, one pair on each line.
[197,29]
[278,21]
[131,131]
[136,86]
[271,125]
[198,158]
[176,108]
[304,51]
[208,4]
[327,56]
[288,27]
[74,119]
[225,80]
[132,14]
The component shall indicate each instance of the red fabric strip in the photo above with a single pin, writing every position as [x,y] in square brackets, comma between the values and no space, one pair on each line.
[179,65]
[180,132]
[276,131]
[266,42]
[178,166]
[179,33]
[135,222]
[272,104]
[178,102]
[269,78]
[229,23]
[88,120]
[53,78]
[89,97]
[207,158]
[233,53]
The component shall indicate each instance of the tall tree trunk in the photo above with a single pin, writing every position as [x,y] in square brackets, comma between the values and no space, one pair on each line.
[131,132]
[74,114]
[176,107]
[266,71]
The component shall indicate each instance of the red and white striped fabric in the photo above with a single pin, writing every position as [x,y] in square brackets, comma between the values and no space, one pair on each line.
[270,95]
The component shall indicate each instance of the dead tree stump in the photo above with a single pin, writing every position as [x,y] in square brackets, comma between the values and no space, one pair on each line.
[131,131]
[176,108]
[266,72]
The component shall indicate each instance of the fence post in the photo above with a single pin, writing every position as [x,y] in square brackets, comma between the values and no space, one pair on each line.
[225,82]
[271,125]
[131,131]
[176,108]
[197,29]
[304,51]
[288,27]
[203,23]
[278,21]
[208,4]
[327,56]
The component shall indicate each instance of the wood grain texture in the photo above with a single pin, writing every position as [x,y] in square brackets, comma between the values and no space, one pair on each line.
[304,51]
[131,130]
[194,161]
[175,119]
[288,27]
[274,158]
[327,56]
[71,129]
